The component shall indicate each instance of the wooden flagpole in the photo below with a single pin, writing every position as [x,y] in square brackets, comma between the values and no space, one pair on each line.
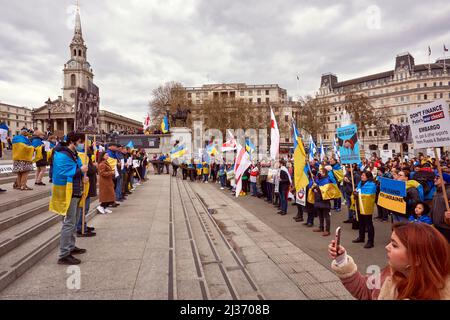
[84,184]
[444,191]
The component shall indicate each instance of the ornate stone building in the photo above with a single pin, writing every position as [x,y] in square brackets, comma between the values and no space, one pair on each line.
[58,115]
[261,97]
[393,92]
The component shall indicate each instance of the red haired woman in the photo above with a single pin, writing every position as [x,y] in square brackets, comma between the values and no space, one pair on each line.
[418,267]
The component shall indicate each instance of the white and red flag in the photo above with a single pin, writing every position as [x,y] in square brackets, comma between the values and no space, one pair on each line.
[147,122]
[230,144]
[241,164]
[274,137]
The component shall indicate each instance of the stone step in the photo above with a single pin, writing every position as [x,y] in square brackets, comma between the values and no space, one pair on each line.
[17,198]
[24,256]
[18,234]
[11,177]
[20,214]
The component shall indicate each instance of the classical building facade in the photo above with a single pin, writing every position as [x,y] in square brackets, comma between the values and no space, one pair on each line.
[392,92]
[261,97]
[58,115]
[15,117]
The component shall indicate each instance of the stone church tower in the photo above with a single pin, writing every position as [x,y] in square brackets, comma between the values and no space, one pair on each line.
[77,71]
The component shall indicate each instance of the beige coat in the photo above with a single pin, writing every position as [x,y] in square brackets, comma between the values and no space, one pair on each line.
[106,183]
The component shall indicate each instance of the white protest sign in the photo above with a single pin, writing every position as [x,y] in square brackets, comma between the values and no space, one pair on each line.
[385,155]
[47,145]
[300,197]
[430,125]
[136,163]
[430,153]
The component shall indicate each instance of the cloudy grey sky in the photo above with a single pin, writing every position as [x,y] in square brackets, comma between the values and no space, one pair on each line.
[135,45]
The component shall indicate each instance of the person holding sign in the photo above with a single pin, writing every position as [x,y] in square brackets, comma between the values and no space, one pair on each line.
[365,200]
[439,212]
[418,267]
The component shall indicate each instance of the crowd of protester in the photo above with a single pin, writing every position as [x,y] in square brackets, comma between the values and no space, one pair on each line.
[79,171]
[332,185]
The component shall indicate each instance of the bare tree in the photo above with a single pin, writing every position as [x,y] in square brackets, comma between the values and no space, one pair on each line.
[312,113]
[361,111]
[170,94]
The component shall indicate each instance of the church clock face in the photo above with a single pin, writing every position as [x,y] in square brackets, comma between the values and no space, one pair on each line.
[72,64]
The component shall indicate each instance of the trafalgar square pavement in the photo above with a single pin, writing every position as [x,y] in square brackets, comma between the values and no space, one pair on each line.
[174,239]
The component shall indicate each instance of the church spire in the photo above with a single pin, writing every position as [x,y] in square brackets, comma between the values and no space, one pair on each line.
[78,34]
[78,21]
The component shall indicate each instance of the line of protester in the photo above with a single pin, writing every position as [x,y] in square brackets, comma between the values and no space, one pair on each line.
[76,175]
[331,185]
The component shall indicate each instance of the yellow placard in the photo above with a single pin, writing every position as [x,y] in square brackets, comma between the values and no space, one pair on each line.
[391,202]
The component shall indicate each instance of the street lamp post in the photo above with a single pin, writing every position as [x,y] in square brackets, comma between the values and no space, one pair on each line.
[49,108]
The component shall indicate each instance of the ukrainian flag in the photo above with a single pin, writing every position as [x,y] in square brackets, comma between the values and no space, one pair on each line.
[112,160]
[64,168]
[300,168]
[165,125]
[211,149]
[418,186]
[178,151]
[367,194]
[39,148]
[22,150]
[329,189]
[338,173]
[249,146]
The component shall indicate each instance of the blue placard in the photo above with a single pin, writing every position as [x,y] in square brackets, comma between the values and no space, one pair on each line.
[349,144]
[393,187]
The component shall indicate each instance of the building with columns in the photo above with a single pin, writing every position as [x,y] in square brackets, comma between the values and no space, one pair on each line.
[58,115]
[261,97]
[393,92]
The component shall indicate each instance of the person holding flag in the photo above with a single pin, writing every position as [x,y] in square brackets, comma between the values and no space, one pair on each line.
[241,165]
[67,192]
[301,180]
[22,154]
[324,190]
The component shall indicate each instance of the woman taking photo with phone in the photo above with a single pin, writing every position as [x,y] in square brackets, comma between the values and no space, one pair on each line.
[418,267]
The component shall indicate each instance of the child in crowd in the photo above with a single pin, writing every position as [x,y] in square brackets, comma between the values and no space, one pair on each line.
[421,213]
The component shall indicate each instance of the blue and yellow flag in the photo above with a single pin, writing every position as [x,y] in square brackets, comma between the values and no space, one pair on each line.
[22,150]
[300,169]
[417,185]
[165,125]
[329,189]
[337,172]
[366,194]
[64,169]
[178,151]
[112,160]
[249,146]
[211,149]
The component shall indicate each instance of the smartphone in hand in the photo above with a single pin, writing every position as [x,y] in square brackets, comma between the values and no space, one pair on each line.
[341,259]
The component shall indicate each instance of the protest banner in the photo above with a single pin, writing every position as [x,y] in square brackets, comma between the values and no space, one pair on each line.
[392,193]
[385,155]
[349,144]
[430,125]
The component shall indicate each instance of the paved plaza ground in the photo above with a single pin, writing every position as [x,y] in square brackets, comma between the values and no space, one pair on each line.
[174,239]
